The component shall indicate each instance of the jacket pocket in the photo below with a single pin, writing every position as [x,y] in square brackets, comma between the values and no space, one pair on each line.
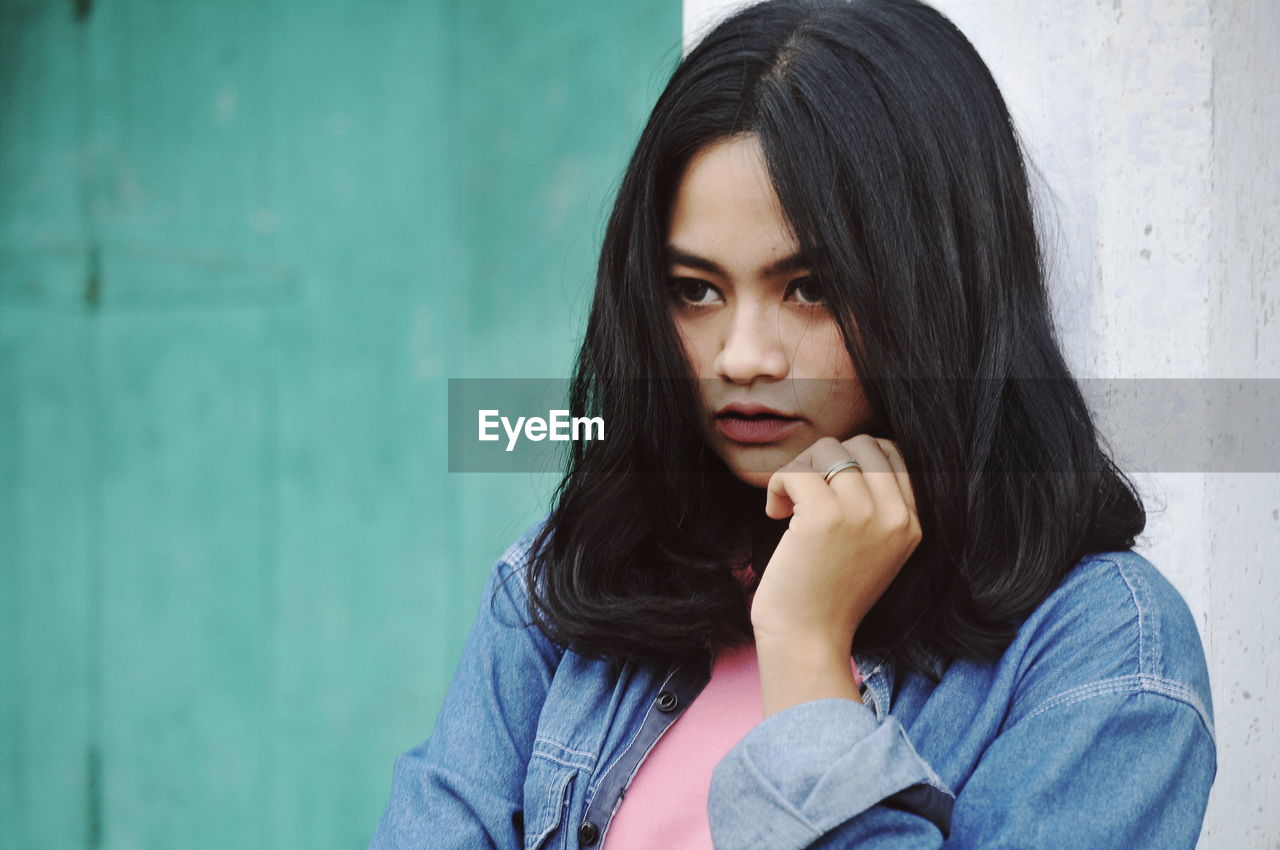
[548,793]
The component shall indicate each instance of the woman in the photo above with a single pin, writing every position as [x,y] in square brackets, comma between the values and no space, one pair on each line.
[851,568]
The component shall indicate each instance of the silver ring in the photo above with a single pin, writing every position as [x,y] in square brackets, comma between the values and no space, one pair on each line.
[840,466]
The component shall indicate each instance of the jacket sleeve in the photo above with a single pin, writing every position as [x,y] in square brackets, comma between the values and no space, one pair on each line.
[463,786]
[1107,766]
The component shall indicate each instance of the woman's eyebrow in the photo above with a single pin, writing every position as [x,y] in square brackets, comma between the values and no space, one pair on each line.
[679,256]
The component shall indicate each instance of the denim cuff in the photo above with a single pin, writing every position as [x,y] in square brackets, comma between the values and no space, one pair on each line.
[807,769]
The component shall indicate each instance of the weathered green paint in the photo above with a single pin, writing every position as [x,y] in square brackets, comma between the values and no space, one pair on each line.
[243,245]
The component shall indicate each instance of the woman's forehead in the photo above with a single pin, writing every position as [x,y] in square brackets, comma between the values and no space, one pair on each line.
[726,217]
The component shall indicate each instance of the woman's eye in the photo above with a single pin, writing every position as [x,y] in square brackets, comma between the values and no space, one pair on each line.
[807,289]
[692,291]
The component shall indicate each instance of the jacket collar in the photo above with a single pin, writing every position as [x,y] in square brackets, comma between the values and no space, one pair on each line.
[870,665]
[867,663]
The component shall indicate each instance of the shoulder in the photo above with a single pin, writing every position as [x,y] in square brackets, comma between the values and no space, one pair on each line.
[506,594]
[1115,624]
[516,557]
[508,574]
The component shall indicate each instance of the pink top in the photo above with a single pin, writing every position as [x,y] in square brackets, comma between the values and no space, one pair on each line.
[666,803]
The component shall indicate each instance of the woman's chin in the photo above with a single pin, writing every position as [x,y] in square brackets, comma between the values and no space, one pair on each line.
[757,469]
[755,479]
[755,465]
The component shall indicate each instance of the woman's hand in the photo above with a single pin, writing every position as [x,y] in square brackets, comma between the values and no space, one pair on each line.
[847,540]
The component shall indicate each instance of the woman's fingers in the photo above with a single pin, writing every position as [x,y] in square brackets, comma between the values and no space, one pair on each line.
[879,486]
[862,517]
[850,489]
[794,483]
[878,482]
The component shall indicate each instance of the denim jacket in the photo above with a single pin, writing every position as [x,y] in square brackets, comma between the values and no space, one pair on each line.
[1095,729]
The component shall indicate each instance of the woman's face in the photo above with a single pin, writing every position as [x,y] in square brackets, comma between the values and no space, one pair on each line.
[753,327]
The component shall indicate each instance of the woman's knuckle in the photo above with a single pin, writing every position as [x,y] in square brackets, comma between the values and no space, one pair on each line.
[914,531]
[861,514]
[827,517]
[898,519]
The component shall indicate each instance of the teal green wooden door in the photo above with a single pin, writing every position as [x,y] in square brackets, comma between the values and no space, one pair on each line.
[243,246]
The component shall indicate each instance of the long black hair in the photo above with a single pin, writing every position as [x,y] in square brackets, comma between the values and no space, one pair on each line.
[895,160]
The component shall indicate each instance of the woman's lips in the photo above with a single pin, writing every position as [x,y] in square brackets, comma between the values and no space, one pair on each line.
[756,430]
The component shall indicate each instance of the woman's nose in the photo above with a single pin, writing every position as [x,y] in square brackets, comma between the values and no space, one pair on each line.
[753,346]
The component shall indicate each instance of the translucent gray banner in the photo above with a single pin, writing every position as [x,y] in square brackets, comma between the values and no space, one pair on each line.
[1148,424]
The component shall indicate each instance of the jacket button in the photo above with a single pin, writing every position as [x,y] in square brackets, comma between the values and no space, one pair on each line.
[588,832]
[667,701]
